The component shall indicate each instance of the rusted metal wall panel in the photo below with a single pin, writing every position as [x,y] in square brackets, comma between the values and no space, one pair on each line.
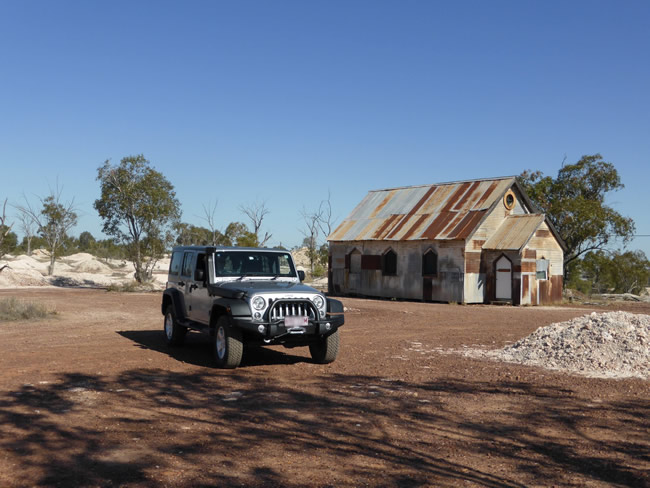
[556,288]
[525,288]
[476,244]
[534,300]
[550,291]
[409,282]
[472,262]
[427,289]
[516,289]
[528,267]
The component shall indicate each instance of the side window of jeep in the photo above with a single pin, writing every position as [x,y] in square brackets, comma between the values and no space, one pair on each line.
[175,265]
[188,262]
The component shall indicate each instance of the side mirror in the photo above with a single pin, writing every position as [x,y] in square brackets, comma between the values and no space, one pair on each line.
[301,275]
[199,275]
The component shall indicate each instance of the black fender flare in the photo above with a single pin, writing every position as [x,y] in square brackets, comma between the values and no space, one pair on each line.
[334,306]
[173,296]
[232,307]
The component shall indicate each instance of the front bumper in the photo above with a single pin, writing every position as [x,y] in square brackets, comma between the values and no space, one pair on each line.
[278,332]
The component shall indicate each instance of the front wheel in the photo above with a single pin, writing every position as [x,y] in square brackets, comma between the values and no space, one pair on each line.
[174,333]
[228,346]
[326,350]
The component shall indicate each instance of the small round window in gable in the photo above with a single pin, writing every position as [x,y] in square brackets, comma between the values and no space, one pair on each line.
[509,200]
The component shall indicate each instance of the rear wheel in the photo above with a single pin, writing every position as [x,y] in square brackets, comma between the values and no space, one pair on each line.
[326,350]
[174,333]
[228,347]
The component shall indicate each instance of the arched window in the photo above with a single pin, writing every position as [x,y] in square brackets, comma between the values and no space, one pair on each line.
[389,263]
[430,263]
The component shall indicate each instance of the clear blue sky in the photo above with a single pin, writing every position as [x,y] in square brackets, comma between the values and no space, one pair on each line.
[279,101]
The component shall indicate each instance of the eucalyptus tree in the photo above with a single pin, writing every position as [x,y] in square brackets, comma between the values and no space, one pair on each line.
[138,206]
[575,203]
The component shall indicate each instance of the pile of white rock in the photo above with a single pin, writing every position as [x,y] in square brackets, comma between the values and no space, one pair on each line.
[604,345]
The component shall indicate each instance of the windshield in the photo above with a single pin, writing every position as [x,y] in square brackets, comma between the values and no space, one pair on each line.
[253,263]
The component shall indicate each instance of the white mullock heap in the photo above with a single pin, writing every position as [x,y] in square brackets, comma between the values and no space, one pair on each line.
[603,345]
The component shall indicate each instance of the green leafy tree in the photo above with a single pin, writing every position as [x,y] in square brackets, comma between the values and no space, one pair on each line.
[237,234]
[9,240]
[574,202]
[107,249]
[188,234]
[138,206]
[86,242]
[629,272]
[591,273]
[615,272]
[53,221]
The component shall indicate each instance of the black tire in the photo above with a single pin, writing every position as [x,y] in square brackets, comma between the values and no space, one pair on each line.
[174,333]
[326,350]
[228,347]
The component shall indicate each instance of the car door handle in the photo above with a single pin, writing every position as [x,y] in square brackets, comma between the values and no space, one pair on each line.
[181,283]
[193,286]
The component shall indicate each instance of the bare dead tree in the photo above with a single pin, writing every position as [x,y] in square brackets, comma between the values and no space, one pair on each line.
[53,220]
[28,228]
[325,219]
[5,227]
[256,213]
[209,214]
[310,231]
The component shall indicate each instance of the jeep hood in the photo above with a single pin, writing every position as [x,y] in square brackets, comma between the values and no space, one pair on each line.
[239,289]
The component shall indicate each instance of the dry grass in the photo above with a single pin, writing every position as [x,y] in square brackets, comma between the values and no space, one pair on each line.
[14,309]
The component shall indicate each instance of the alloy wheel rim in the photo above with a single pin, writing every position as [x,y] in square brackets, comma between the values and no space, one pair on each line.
[169,326]
[221,343]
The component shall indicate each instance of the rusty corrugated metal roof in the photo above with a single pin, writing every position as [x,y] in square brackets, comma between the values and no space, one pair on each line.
[514,233]
[439,211]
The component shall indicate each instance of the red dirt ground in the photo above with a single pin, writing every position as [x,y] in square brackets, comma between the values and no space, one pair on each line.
[94,397]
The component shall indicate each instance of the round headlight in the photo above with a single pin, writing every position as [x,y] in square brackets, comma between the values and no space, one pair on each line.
[259,303]
[319,301]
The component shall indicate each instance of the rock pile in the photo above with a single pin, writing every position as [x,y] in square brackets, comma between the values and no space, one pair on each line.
[604,345]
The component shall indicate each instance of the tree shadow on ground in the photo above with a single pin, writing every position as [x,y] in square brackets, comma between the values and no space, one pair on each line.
[67,282]
[197,349]
[214,428]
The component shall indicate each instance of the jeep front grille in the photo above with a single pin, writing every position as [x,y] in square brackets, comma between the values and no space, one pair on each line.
[281,309]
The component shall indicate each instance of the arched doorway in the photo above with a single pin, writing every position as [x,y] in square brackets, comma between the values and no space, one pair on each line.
[504,279]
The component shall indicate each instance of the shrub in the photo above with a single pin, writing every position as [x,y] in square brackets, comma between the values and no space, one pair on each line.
[14,309]
[319,271]
[131,286]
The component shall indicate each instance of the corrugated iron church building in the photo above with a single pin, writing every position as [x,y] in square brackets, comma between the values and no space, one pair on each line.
[477,241]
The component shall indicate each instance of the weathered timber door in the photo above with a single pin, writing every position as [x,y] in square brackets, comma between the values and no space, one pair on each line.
[504,279]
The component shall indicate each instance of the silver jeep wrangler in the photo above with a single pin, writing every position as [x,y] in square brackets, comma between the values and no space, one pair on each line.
[247,296]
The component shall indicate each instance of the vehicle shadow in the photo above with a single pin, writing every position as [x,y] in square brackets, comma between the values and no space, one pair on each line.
[197,350]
